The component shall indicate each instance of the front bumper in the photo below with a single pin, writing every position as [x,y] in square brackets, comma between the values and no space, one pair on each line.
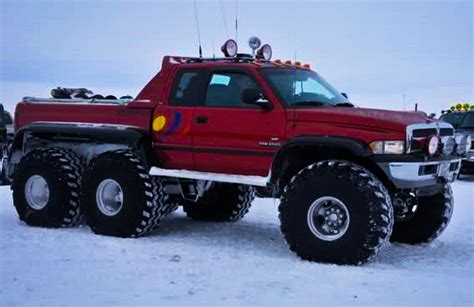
[417,174]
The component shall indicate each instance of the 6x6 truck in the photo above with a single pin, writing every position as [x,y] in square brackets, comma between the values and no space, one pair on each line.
[207,134]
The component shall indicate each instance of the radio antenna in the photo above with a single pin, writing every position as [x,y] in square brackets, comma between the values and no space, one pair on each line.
[236,21]
[197,28]
[224,19]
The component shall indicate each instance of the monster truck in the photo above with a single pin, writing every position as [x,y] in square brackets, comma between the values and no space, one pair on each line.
[207,133]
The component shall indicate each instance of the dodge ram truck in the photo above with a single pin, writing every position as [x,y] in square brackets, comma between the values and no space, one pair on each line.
[208,134]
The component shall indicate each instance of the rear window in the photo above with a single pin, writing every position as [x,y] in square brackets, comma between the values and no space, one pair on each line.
[189,88]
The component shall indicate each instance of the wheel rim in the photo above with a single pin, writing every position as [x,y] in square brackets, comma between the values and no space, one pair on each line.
[109,197]
[328,218]
[37,192]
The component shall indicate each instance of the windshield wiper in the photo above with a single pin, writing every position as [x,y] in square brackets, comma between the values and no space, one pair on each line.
[344,104]
[310,103]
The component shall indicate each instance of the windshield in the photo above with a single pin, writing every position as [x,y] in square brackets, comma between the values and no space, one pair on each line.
[453,118]
[468,121]
[297,87]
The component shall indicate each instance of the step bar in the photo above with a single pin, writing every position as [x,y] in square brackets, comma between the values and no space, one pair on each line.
[219,177]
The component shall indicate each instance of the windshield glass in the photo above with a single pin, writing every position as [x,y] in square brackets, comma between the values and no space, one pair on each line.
[468,121]
[297,87]
[453,118]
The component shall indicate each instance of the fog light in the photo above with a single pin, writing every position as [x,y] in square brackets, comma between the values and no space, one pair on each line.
[468,143]
[432,145]
[448,145]
[461,144]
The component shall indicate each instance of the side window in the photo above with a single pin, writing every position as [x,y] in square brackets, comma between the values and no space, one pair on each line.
[225,90]
[188,88]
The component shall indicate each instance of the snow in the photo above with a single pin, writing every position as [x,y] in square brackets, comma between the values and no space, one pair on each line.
[243,263]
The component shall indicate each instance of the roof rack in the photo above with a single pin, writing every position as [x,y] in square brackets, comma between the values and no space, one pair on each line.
[239,58]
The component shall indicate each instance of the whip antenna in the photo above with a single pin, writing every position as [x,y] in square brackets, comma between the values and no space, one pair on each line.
[197,28]
[224,19]
[236,21]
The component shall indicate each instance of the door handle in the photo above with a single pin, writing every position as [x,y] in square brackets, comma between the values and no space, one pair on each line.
[201,119]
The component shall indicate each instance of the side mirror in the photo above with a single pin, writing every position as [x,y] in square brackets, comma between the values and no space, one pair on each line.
[255,97]
[345,95]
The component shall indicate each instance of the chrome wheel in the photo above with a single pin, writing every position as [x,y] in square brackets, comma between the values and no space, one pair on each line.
[109,197]
[328,218]
[36,192]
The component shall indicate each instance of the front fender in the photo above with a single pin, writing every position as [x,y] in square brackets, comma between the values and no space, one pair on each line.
[320,143]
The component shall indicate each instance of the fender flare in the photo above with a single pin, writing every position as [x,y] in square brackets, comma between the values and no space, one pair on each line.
[354,146]
[128,136]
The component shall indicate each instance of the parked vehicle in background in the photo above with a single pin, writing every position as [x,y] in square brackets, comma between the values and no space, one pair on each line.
[6,136]
[204,134]
[463,122]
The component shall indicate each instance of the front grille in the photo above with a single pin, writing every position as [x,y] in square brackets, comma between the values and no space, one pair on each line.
[446,132]
[423,133]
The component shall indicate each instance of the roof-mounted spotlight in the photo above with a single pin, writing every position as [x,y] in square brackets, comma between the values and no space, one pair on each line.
[265,52]
[254,43]
[229,48]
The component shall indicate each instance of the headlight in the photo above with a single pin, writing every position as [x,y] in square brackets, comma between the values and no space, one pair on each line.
[387,147]
[432,144]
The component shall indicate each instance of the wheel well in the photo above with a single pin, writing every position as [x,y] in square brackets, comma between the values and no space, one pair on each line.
[299,157]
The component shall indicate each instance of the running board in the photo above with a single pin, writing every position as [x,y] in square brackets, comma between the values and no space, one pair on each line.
[241,179]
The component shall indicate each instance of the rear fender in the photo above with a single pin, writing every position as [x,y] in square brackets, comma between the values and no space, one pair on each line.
[88,140]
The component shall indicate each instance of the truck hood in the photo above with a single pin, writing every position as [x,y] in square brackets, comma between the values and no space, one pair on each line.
[361,117]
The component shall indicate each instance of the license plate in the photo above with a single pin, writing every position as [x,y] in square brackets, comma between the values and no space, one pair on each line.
[443,170]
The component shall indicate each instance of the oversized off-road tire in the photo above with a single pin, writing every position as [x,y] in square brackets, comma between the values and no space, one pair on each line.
[46,188]
[119,197]
[430,219]
[171,203]
[336,212]
[223,202]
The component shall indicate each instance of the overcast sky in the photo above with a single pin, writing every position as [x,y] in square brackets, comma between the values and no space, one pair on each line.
[376,51]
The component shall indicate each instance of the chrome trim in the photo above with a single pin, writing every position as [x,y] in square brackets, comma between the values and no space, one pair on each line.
[408,171]
[413,127]
[328,218]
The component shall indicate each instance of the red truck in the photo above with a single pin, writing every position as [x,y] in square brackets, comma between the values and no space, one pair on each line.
[207,134]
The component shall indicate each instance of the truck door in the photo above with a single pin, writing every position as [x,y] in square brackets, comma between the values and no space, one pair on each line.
[172,123]
[230,136]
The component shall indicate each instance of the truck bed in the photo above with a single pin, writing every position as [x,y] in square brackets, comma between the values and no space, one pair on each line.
[135,113]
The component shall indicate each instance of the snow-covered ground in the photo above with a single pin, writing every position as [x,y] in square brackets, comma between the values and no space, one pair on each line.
[244,263]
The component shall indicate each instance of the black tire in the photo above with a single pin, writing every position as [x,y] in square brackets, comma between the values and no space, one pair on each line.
[431,218]
[223,202]
[364,197]
[172,202]
[62,170]
[142,200]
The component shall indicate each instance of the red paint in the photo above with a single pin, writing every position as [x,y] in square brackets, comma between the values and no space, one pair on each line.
[234,129]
